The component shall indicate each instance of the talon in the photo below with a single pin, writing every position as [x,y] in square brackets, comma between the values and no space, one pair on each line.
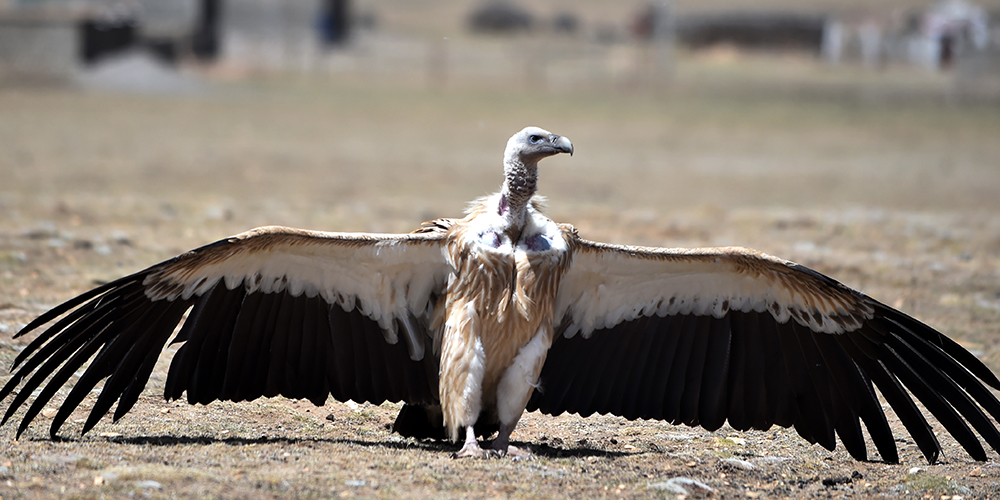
[471,452]
[510,451]
[515,453]
[471,447]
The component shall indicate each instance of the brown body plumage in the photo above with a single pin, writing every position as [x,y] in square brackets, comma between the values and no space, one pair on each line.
[471,321]
[497,303]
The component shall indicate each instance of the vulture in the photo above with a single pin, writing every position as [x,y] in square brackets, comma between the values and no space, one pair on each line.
[469,322]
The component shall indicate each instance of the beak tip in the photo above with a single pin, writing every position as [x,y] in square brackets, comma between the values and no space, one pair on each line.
[565,145]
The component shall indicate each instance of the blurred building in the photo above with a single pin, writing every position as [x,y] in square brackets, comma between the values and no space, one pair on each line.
[51,38]
[936,37]
[949,29]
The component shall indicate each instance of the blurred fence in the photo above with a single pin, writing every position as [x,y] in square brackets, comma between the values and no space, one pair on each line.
[539,61]
[265,35]
[272,35]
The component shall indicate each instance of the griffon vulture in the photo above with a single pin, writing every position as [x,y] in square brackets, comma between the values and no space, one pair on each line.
[471,321]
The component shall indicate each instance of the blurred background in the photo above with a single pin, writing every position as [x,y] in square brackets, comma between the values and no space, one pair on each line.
[859,137]
[558,45]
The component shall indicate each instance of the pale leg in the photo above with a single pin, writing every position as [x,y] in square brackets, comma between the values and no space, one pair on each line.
[471,447]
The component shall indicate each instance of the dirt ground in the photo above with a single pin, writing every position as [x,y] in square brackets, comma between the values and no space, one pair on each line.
[898,197]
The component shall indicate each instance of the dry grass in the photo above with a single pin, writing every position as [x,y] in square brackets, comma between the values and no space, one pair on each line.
[896,196]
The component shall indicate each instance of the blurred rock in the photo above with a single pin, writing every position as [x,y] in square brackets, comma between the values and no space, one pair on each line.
[500,17]
[137,71]
[83,245]
[68,459]
[41,230]
[566,23]
[148,484]
[120,238]
[105,477]
[735,463]
[772,460]
[681,486]
[677,436]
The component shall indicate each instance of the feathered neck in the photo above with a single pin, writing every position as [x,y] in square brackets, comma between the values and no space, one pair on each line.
[519,185]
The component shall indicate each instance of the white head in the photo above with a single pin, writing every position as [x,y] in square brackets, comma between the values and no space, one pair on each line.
[532,144]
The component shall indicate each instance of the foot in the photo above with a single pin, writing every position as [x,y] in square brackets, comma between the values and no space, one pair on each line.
[512,452]
[471,450]
[501,446]
[471,447]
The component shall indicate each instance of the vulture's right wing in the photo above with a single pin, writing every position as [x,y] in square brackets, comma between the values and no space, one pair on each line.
[705,336]
[272,311]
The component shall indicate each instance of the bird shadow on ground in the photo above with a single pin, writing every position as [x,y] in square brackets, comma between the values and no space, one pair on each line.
[539,450]
[169,440]
[547,451]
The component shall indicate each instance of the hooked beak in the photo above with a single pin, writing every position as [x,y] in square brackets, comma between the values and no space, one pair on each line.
[562,144]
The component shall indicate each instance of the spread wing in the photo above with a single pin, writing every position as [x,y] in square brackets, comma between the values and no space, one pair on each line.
[272,311]
[708,335]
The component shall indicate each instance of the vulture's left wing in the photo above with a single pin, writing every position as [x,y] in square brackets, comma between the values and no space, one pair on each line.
[704,336]
[272,311]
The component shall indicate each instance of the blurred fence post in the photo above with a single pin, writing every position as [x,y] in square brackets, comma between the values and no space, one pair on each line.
[664,35]
[832,44]
[437,63]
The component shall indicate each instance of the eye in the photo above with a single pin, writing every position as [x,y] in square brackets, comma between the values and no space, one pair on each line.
[535,139]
